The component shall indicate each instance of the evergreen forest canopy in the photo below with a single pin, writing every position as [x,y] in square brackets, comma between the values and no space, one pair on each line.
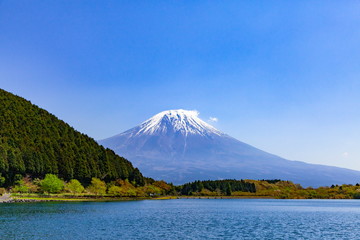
[221,187]
[34,142]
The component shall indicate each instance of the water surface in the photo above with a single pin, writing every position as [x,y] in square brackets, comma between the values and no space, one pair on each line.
[183,219]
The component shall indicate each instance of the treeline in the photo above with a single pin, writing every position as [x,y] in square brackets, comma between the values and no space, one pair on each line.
[273,188]
[218,187]
[52,184]
[289,190]
[35,142]
[271,180]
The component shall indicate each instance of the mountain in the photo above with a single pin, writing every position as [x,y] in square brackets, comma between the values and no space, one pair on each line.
[35,142]
[179,147]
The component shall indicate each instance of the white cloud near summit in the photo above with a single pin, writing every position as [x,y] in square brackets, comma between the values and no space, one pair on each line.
[213,119]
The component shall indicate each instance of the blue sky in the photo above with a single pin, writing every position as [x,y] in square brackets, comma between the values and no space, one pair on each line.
[280,75]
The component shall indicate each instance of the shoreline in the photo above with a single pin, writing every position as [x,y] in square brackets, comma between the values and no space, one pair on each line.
[32,199]
[41,198]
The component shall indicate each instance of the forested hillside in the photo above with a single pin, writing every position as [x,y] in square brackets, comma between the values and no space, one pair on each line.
[35,142]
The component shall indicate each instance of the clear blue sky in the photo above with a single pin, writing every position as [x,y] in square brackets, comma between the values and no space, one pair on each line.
[283,76]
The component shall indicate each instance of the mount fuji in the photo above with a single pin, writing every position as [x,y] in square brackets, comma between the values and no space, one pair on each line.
[177,146]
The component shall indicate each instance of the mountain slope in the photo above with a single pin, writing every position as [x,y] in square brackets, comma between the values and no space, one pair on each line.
[179,147]
[35,142]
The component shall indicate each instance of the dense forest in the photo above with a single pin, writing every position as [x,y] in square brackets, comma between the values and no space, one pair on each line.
[34,142]
[222,187]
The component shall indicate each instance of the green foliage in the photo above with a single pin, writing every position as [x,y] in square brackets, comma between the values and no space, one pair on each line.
[2,180]
[228,189]
[74,186]
[125,189]
[51,184]
[219,187]
[2,191]
[271,180]
[18,177]
[20,187]
[267,188]
[287,189]
[152,190]
[97,187]
[356,195]
[25,185]
[235,188]
[35,142]
[164,187]
[115,190]
[137,178]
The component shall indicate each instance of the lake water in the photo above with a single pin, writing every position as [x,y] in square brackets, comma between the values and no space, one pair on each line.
[183,219]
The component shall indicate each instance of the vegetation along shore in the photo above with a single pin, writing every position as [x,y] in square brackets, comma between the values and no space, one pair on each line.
[52,188]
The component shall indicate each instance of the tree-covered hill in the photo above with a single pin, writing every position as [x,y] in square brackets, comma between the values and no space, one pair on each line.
[35,142]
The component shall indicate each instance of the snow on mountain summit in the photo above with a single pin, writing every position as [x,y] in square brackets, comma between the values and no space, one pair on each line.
[178,147]
[177,121]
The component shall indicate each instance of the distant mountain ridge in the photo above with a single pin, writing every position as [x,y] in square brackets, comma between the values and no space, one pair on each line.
[35,142]
[179,147]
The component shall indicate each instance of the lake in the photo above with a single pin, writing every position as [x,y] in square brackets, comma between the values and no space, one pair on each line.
[183,219]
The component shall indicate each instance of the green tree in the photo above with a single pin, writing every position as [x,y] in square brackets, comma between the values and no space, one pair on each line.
[20,187]
[228,189]
[74,186]
[2,180]
[356,195]
[137,178]
[97,186]
[152,190]
[115,190]
[51,184]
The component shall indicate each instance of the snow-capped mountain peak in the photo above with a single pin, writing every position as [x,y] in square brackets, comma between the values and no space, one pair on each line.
[182,121]
[178,147]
